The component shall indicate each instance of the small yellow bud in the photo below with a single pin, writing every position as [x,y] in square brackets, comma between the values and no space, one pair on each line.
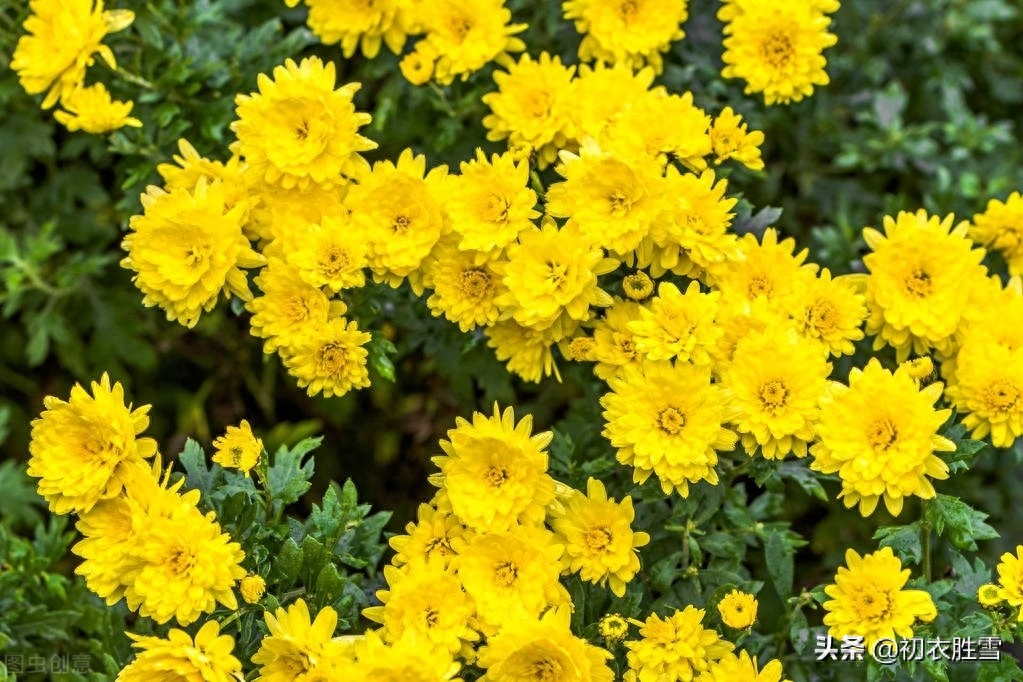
[252,588]
[738,609]
[613,627]
[638,285]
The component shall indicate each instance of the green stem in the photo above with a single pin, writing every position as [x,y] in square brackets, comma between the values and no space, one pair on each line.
[448,109]
[134,78]
[925,540]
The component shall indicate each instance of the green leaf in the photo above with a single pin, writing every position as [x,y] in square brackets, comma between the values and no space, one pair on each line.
[780,565]
[288,478]
[904,541]
[959,522]
[329,583]
[198,476]
[806,479]
[380,349]
[289,562]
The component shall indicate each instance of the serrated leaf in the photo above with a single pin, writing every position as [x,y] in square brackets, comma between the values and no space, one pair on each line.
[288,563]
[959,522]
[198,476]
[289,478]
[780,565]
[904,541]
[329,583]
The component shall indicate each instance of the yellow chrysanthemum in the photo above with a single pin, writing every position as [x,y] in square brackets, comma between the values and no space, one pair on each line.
[601,91]
[238,448]
[730,140]
[531,107]
[333,255]
[600,544]
[777,48]
[543,649]
[298,647]
[692,234]
[614,202]
[996,316]
[406,660]
[465,286]
[776,402]
[187,248]
[495,471]
[637,286]
[92,110]
[987,386]
[923,274]
[208,657]
[527,351]
[632,31]
[283,216]
[675,648]
[1000,227]
[189,167]
[464,35]
[432,537]
[61,40]
[355,23]
[551,279]
[289,308]
[738,609]
[614,343]
[1010,579]
[667,420]
[661,127]
[490,202]
[829,310]
[330,359]
[85,449]
[424,600]
[766,269]
[868,599]
[678,326]
[511,575]
[398,207]
[739,320]
[741,668]
[298,129]
[880,433]
[613,627]
[990,594]
[252,588]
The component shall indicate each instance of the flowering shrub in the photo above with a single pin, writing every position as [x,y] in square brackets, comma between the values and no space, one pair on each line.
[655,436]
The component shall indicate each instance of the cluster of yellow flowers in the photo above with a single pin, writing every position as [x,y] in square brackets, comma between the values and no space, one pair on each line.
[62,40]
[1009,590]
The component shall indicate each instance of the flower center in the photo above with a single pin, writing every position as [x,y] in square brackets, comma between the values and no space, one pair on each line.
[671,421]
[302,130]
[439,545]
[773,395]
[599,539]
[431,617]
[556,273]
[628,9]
[871,605]
[297,309]
[181,560]
[198,255]
[334,260]
[401,224]
[882,434]
[822,316]
[1002,396]
[919,283]
[619,203]
[475,284]
[544,670]
[496,476]
[331,358]
[759,285]
[506,574]
[778,50]
[236,456]
[496,207]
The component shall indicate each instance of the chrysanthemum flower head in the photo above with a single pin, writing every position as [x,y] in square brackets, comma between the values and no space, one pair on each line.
[433,536]
[409,659]
[635,32]
[92,110]
[923,276]
[600,544]
[465,286]
[766,269]
[678,326]
[730,140]
[986,384]
[738,609]
[868,599]
[777,48]
[531,107]
[298,129]
[238,448]
[61,40]
[662,127]
[86,449]
[990,594]
[1000,227]
[613,627]
[543,649]
[495,471]
[282,216]
[332,255]
[676,647]
[358,23]
[187,248]
[829,309]
[526,350]
[667,420]
[1010,579]
[741,668]
[208,657]
[880,433]
[776,380]
[601,91]
[299,645]
[614,342]
[252,588]
[330,358]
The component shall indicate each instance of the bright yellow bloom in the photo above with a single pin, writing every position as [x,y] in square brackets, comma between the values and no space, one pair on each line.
[289,308]
[465,286]
[252,588]
[490,202]
[741,668]
[417,66]
[208,658]
[614,202]
[332,254]
[106,531]
[406,660]
[923,274]
[1010,579]
[667,420]
[425,601]
[675,648]
[767,269]
[355,23]
[880,433]
[868,599]
[85,449]
[551,279]
[495,471]
[527,351]
[330,359]
[512,576]
[298,129]
[238,448]
[635,32]
[600,544]
[92,110]
[775,380]
[829,310]
[187,248]
[990,594]
[531,107]
[283,215]
[986,384]
[614,343]
[399,208]
[678,326]
[1000,227]
[543,649]
[738,609]
[298,647]
[62,38]
[638,285]
[613,627]
[601,91]
[432,537]
[729,140]
[189,167]
[777,48]
[692,234]
[739,320]
[464,35]
[661,127]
